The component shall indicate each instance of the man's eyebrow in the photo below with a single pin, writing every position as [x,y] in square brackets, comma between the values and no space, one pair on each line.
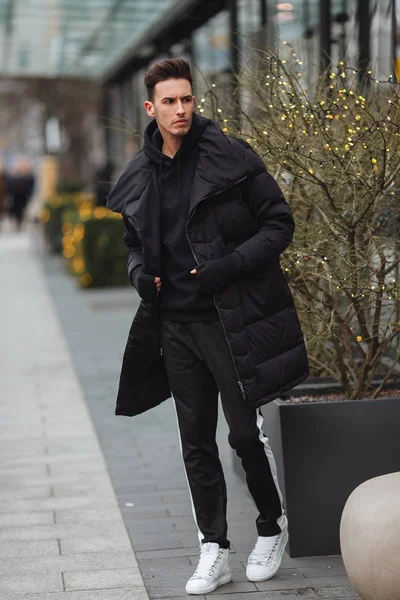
[175,97]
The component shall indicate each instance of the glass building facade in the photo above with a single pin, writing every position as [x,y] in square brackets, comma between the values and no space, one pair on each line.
[216,36]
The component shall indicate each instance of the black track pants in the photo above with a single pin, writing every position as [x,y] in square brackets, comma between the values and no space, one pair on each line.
[199,365]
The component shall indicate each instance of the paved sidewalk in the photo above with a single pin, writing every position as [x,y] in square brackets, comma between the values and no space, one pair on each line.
[145,464]
[62,536]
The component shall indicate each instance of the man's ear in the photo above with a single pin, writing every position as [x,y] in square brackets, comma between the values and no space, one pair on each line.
[149,108]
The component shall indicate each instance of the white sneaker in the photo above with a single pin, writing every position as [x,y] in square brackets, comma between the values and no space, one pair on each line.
[266,557]
[212,570]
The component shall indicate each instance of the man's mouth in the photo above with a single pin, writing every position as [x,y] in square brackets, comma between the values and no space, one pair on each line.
[181,122]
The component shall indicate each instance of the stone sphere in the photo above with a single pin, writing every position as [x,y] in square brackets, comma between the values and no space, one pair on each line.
[370,538]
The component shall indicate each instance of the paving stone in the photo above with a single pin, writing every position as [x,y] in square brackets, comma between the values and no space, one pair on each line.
[28,549]
[35,447]
[282,595]
[324,571]
[133,487]
[43,504]
[145,526]
[107,594]
[70,562]
[186,598]
[142,512]
[157,542]
[187,552]
[174,497]
[238,586]
[20,471]
[30,583]
[341,593]
[24,519]
[166,590]
[186,525]
[100,579]
[188,538]
[312,561]
[94,544]
[166,567]
[175,576]
[180,509]
[170,484]
[85,515]
[68,466]
[111,529]
[301,583]
[171,586]
[288,577]
[90,488]
[141,499]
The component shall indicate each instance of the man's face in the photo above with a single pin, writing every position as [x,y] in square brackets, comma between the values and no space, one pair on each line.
[172,106]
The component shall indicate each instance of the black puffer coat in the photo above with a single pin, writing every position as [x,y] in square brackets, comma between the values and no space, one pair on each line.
[235,204]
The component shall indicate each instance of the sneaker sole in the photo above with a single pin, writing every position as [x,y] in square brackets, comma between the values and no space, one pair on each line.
[213,586]
[274,572]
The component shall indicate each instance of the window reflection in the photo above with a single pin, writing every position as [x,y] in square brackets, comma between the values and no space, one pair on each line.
[381,39]
[249,26]
[211,45]
[297,23]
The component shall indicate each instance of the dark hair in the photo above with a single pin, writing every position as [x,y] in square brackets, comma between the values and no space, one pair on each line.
[170,68]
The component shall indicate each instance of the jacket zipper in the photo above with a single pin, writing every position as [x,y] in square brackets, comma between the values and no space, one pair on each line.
[240,384]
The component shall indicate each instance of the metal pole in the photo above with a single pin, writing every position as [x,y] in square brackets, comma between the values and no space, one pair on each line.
[263,13]
[364,35]
[263,29]
[325,20]
[394,36]
[235,57]
[106,114]
[234,35]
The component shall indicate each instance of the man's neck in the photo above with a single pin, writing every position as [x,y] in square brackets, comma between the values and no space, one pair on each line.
[171,144]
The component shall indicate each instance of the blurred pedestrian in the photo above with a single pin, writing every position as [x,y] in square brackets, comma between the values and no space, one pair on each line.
[3,192]
[20,185]
[205,224]
[103,183]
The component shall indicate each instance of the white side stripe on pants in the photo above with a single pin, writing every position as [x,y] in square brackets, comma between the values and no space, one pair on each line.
[200,534]
[282,521]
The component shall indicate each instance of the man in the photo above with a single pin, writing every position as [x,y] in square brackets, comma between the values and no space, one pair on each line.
[102,183]
[205,225]
[20,187]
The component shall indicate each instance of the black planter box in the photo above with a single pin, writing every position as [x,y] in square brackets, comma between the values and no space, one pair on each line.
[324,450]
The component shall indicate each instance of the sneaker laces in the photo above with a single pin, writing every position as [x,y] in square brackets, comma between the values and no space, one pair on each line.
[208,562]
[258,555]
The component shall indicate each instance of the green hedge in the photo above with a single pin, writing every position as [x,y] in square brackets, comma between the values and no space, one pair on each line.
[94,248]
[52,216]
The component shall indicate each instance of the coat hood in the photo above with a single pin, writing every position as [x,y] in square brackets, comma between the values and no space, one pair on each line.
[153,139]
[222,161]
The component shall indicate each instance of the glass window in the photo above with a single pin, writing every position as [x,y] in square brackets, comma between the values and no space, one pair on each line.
[382,39]
[211,45]
[249,26]
[72,37]
[297,22]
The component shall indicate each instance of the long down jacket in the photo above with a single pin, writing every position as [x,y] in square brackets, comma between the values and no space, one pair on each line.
[235,205]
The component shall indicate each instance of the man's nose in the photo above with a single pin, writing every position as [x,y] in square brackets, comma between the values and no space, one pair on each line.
[180,108]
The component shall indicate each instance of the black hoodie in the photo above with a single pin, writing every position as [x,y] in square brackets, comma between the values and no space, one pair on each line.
[180,300]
